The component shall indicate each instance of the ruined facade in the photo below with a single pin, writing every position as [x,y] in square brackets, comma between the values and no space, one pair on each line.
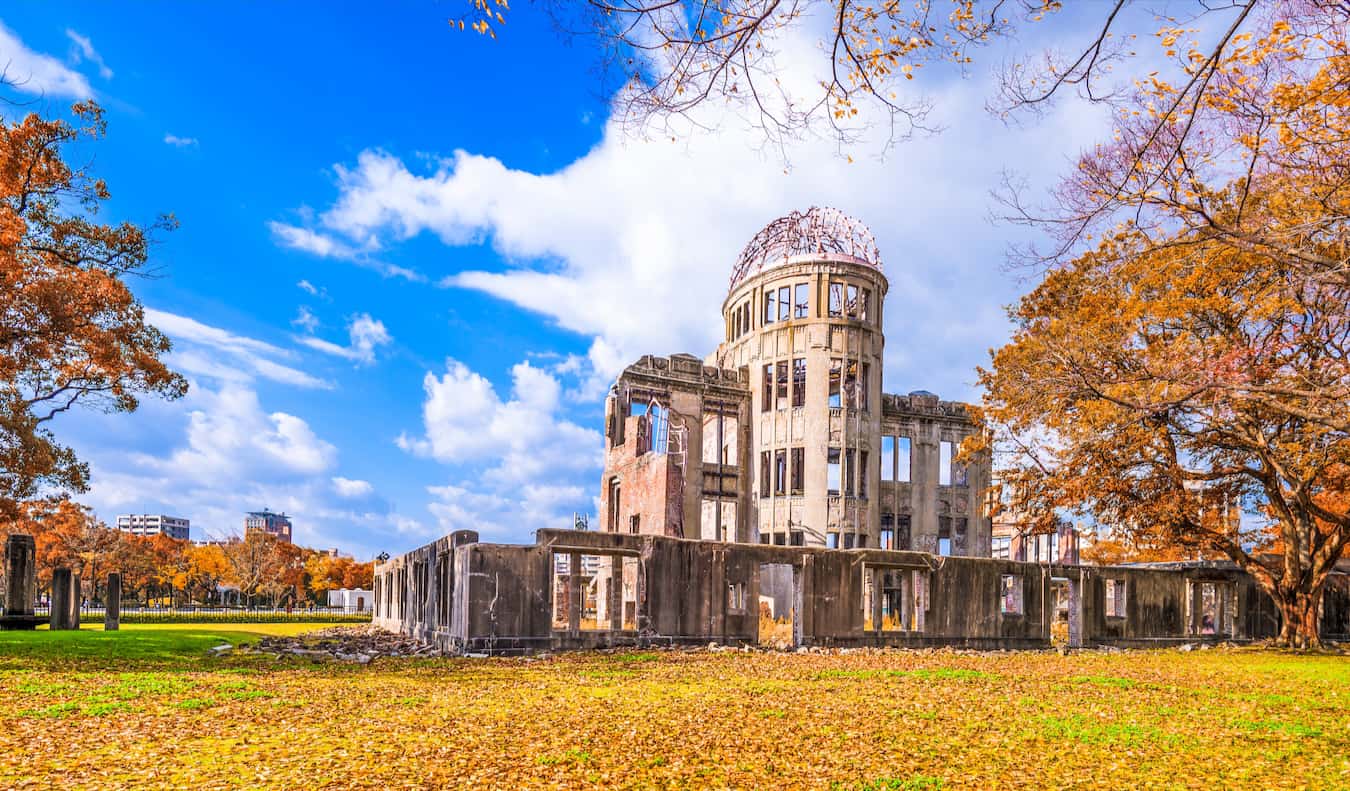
[782,435]
[587,589]
[771,493]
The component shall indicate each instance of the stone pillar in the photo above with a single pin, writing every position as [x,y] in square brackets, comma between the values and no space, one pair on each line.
[76,598]
[112,603]
[20,575]
[60,599]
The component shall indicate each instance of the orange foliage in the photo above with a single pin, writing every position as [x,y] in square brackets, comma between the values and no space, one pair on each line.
[71,332]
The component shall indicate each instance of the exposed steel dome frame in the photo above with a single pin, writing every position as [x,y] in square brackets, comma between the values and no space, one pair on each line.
[820,230]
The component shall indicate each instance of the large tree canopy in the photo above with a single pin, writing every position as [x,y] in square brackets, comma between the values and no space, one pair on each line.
[1196,356]
[71,331]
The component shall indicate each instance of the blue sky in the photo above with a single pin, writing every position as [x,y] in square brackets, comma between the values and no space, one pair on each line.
[411,260]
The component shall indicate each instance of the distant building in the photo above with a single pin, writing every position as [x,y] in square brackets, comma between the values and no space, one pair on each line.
[352,599]
[154,525]
[217,542]
[1016,536]
[276,525]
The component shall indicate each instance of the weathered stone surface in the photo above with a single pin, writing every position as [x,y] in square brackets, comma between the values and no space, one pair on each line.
[112,603]
[20,575]
[76,599]
[61,595]
[20,584]
[464,597]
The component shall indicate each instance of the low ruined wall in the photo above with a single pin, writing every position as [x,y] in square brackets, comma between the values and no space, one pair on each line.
[577,589]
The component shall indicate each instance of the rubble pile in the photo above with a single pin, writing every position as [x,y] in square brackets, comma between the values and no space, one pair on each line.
[359,644]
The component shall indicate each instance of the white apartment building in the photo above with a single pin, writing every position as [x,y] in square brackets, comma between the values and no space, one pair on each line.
[154,525]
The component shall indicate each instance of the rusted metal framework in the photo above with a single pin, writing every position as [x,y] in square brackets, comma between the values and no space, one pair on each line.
[818,230]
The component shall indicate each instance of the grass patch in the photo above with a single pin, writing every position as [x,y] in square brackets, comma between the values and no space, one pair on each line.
[134,647]
[917,783]
[1105,681]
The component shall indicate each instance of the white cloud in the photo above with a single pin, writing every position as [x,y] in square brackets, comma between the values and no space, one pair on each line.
[326,246]
[180,142]
[83,49]
[35,73]
[311,289]
[348,487]
[308,241]
[210,351]
[306,320]
[229,436]
[632,244]
[365,334]
[233,456]
[528,459]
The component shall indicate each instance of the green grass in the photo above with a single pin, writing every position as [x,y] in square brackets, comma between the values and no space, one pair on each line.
[135,646]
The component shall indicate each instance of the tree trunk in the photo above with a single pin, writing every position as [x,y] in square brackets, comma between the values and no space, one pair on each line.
[1299,612]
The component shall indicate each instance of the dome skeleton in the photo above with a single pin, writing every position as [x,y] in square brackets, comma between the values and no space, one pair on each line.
[816,231]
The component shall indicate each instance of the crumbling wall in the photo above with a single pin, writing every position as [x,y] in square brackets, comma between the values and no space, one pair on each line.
[654,447]
[585,589]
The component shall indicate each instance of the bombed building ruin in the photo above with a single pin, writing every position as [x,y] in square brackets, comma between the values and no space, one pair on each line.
[783,435]
[772,493]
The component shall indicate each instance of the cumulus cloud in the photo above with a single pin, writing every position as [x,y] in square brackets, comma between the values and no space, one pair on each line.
[180,142]
[229,435]
[531,458]
[365,335]
[39,74]
[82,49]
[632,244]
[220,354]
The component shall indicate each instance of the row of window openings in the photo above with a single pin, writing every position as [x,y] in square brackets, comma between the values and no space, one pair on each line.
[894,534]
[897,457]
[794,302]
[777,476]
[1013,601]
[774,468]
[845,383]
[1040,548]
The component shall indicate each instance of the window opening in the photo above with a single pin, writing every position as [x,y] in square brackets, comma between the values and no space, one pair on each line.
[836,300]
[836,371]
[799,381]
[1011,594]
[802,307]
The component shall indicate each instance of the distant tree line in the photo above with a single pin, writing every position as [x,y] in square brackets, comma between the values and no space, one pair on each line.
[256,569]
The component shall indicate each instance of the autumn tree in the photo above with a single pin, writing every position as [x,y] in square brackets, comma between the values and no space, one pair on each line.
[204,569]
[71,331]
[1187,349]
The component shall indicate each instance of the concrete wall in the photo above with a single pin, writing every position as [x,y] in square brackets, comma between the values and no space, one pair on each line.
[496,598]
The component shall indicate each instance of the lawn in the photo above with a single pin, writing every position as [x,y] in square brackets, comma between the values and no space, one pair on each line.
[148,707]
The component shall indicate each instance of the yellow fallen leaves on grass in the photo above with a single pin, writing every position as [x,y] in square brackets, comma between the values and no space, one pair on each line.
[698,719]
